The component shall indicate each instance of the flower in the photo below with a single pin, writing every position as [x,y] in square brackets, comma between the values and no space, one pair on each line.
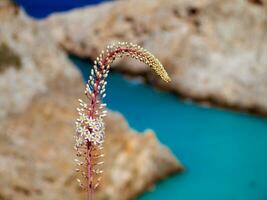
[97,130]
[97,125]
[89,129]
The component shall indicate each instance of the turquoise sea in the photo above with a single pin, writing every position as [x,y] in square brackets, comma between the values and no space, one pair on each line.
[224,152]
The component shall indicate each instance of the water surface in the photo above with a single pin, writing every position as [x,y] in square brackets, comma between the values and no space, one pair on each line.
[224,152]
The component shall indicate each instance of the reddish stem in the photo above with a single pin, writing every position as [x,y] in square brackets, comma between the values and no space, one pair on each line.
[89,172]
[102,64]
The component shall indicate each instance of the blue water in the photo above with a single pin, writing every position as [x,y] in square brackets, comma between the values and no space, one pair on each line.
[224,152]
[42,8]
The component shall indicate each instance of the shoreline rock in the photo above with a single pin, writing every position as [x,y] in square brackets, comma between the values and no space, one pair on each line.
[214,51]
[39,61]
[37,154]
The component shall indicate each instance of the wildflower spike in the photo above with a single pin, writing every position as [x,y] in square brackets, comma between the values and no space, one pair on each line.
[90,129]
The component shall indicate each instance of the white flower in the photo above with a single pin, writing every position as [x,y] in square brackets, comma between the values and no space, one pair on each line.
[79,141]
[82,131]
[83,118]
[89,129]
[96,125]
[97,130]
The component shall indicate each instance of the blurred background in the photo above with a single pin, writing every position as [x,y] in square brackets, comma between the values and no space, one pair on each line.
[202,136]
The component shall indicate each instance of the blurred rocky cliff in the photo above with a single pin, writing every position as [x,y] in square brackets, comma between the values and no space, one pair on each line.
[39,88]
[215,51]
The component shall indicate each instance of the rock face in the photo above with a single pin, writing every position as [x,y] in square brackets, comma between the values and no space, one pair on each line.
[133,161]
[214,50]
[37,155]
[29,60]
[40,88]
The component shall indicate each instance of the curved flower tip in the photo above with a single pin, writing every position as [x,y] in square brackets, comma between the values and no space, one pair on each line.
[90,130]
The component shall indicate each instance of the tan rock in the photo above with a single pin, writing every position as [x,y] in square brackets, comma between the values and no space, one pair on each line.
[37,155]
[6,3]
[214,50]
[29,60]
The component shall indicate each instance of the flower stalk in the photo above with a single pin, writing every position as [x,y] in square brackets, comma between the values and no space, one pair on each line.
[90,130]
[89,171]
